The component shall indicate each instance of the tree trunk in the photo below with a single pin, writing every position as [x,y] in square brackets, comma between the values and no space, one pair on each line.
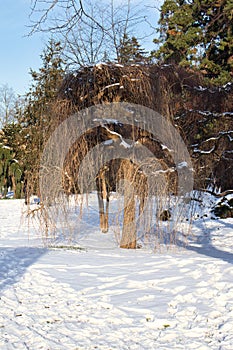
[13,182]
[103,213]
[129,239]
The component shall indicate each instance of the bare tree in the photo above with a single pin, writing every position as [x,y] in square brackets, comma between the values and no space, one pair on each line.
[7,104]
[85,43]
[90,31]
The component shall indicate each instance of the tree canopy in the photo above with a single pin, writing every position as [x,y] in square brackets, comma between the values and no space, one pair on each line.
[21,142]
[35,117]
[90,31]
[195,33]
[130,51]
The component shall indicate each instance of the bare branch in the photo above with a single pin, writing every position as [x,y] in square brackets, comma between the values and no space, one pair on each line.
[7,104]
[90,31]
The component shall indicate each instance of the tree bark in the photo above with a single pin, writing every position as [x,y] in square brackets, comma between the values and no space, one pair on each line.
[129,239]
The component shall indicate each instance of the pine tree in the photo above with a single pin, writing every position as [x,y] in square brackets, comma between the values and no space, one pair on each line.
[130,51]
[196,33]
[45,84]
[35,116]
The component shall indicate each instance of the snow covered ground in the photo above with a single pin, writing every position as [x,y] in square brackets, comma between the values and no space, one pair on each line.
[95,298]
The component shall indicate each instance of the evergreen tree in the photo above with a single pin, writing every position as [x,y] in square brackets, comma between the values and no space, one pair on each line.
[35,116]
[11,172]
[196,33]
[130,51]
[45,84]
[11,156]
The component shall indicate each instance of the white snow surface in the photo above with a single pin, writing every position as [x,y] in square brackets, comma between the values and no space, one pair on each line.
[106,298]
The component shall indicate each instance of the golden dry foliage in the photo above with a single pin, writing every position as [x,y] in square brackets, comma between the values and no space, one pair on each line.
[199,113]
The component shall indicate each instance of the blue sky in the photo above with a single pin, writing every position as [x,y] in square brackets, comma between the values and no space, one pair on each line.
[19,52]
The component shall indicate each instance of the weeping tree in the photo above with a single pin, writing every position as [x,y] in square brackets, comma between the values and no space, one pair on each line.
[77,162]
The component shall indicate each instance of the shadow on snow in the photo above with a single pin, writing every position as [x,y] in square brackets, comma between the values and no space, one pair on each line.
[203,243]
[14,263]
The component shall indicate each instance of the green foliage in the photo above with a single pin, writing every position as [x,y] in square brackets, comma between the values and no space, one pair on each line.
[21,142]
[130,51]
[10,172]
[44,87]
[35,117]
[224,209]
[198,34]
[12,158]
